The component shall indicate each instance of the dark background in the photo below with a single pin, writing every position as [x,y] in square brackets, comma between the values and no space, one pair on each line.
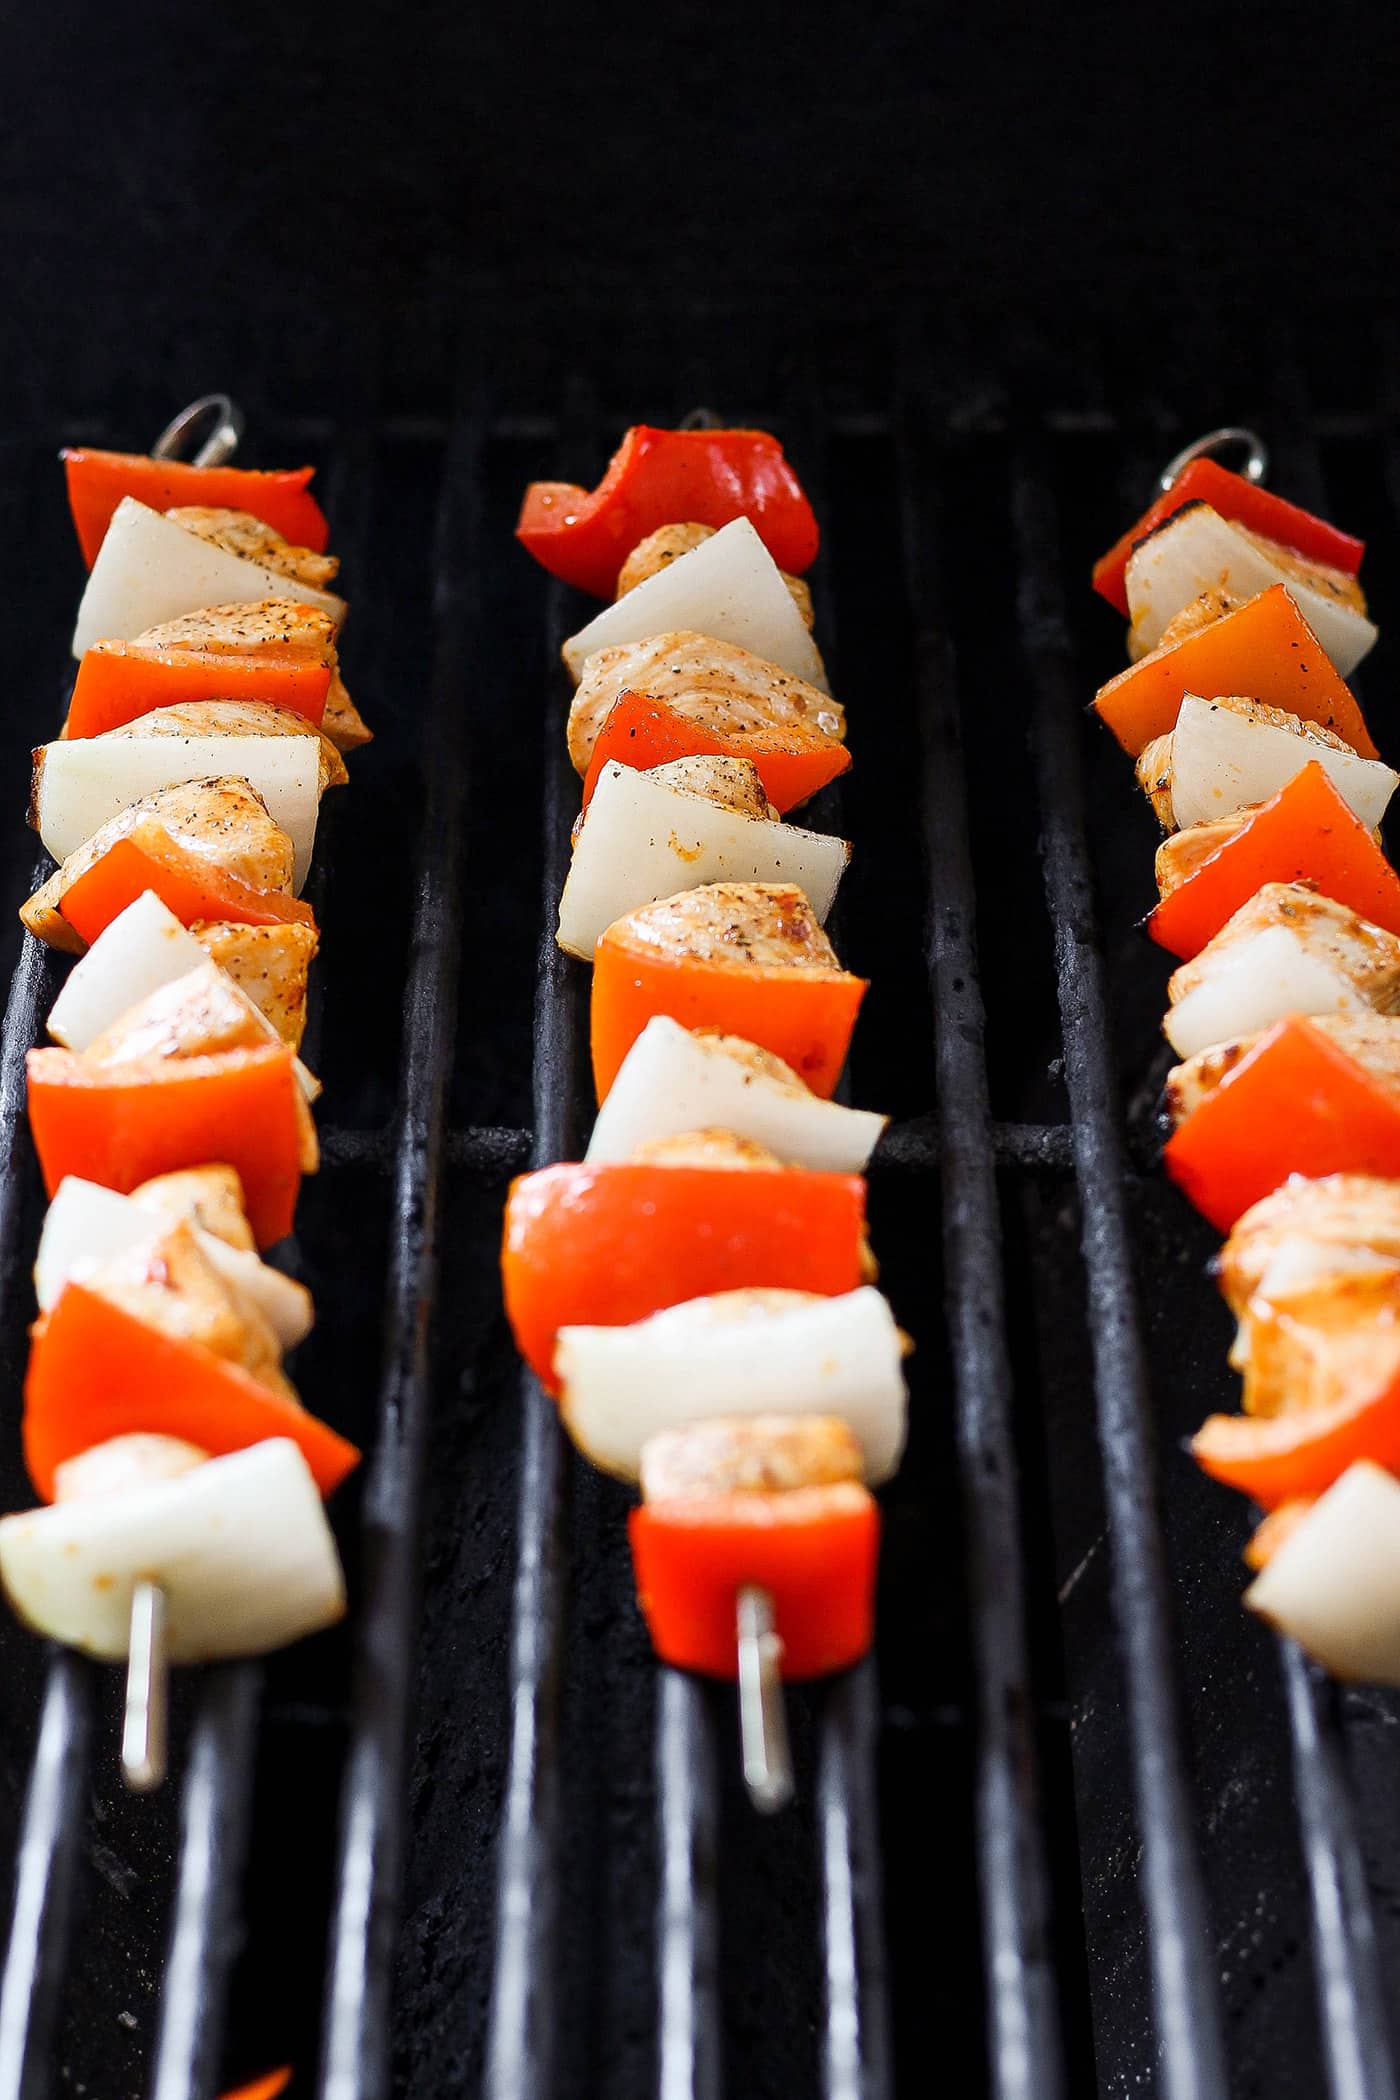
[179,180]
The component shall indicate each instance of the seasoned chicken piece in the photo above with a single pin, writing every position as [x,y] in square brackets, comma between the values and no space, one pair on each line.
[1288,950]
[269,624]
[749,1454]
[234,718]
[752,1057]
[171,1285]
[1318,575]
[727,689]
[729,783]
[1320,1343]
[1180,855]
[270,963]
[223,820]
[1154,766]
[1372,1039]
[253,539]
[1196,614]
[660,548]
[709,1148]
[198,1015]
[1309,1231]
[742,923]
[210,1197]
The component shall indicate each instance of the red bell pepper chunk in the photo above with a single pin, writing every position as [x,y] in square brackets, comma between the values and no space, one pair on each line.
[118,682]
[667,477]
[1304,833]
[121,1125]
[189,884]
[96,1371]
[609,1244]
[804,1016]
[1264,650]
[1243,503]
[1294,1104]
[264,2088]
[1291,1458]
[814,1550]
[643,733]
[97,481]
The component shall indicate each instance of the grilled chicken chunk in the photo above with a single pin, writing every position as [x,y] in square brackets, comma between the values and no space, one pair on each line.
[1179,856]
[224,820]
[1196,614]
[171,1285]
[727,689]
[1372,1039]
[274,624]
[728,783]
[1312,1275]
[741,923]
[194,1016]
[253,539]
[235,718]
[660,548]
[749,1454]
[1288,950]
[1307,1231]
[209,1197]
[1154,766]
[270,963]
[709,1148]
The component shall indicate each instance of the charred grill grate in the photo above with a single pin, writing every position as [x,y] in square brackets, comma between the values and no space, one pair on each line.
[1091,1872]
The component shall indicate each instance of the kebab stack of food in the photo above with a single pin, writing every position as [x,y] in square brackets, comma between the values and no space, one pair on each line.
[697,1292]
[1276,897]
[172,1118]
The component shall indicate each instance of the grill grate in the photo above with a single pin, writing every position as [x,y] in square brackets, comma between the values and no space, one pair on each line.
[733,1957]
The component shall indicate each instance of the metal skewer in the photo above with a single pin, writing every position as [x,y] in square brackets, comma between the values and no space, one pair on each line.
[1229,435]
[144,1730]
[763,1730]
[145,1721]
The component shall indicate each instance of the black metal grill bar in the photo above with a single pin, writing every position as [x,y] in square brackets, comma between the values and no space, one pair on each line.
[1179,1944]
[213,1844]
[856,2052]
[44,1877]
[1359,2063]
[1024,2039]
[520,2043]
[687,1787]
[355,2062]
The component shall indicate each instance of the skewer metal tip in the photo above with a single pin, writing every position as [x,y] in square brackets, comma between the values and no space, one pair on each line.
[1228,438]
[225,420]
[144,1729]
[763,1729]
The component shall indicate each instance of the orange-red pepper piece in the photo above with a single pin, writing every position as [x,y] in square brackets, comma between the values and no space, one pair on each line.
[1295,1104]
[188,884]
[604,1245]
[804,1016]
[118,1125]
[640,732]
[96,1371]
[667,477]
[813,1549]
[264,2088]
[1244,503]
[118,682]
[97,482]
[1263,650]
[1304,833]
[1276,1459]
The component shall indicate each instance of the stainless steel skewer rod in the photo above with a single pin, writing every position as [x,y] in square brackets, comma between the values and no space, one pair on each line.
[222,441]
[763,1730]
[144,1726]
